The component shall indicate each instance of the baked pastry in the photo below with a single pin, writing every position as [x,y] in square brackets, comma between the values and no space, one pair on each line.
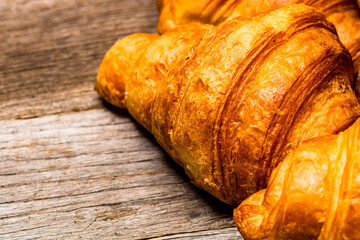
[313,194]
[229,102]
[344,14]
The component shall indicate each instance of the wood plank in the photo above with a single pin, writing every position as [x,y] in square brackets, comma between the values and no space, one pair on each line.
[53,48]
[126,187]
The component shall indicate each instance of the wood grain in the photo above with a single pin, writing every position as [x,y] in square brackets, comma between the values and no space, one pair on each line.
[53,46]
[71,166]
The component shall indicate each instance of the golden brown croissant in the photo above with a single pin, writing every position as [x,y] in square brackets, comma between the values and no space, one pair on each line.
[229,102]
[344,14]
[313,194]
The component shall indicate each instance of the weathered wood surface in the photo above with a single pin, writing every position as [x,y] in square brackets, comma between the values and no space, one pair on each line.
[71,166]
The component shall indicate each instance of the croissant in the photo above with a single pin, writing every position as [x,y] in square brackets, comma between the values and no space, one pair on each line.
[229,102]
[313,194]
[344,14]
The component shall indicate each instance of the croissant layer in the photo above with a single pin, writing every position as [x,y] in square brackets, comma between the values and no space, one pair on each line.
[229,102]
[344,14]
[313,194]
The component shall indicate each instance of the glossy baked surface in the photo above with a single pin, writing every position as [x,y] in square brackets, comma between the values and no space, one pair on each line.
[313,194]
[229,102]
[344,14]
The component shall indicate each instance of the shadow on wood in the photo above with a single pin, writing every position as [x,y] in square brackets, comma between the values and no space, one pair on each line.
[214,203]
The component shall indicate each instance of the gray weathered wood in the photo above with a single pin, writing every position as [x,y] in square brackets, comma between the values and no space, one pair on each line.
[51,50]
[97,173]
[71,166]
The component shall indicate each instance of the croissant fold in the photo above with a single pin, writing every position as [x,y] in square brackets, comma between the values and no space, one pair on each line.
[313,194]
[344,14]
[229,102]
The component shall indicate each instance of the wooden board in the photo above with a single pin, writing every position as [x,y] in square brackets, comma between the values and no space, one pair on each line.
[72,166]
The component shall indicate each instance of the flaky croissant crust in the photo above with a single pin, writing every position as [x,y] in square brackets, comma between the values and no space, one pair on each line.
[313,194]
[344,14]
[229,102]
